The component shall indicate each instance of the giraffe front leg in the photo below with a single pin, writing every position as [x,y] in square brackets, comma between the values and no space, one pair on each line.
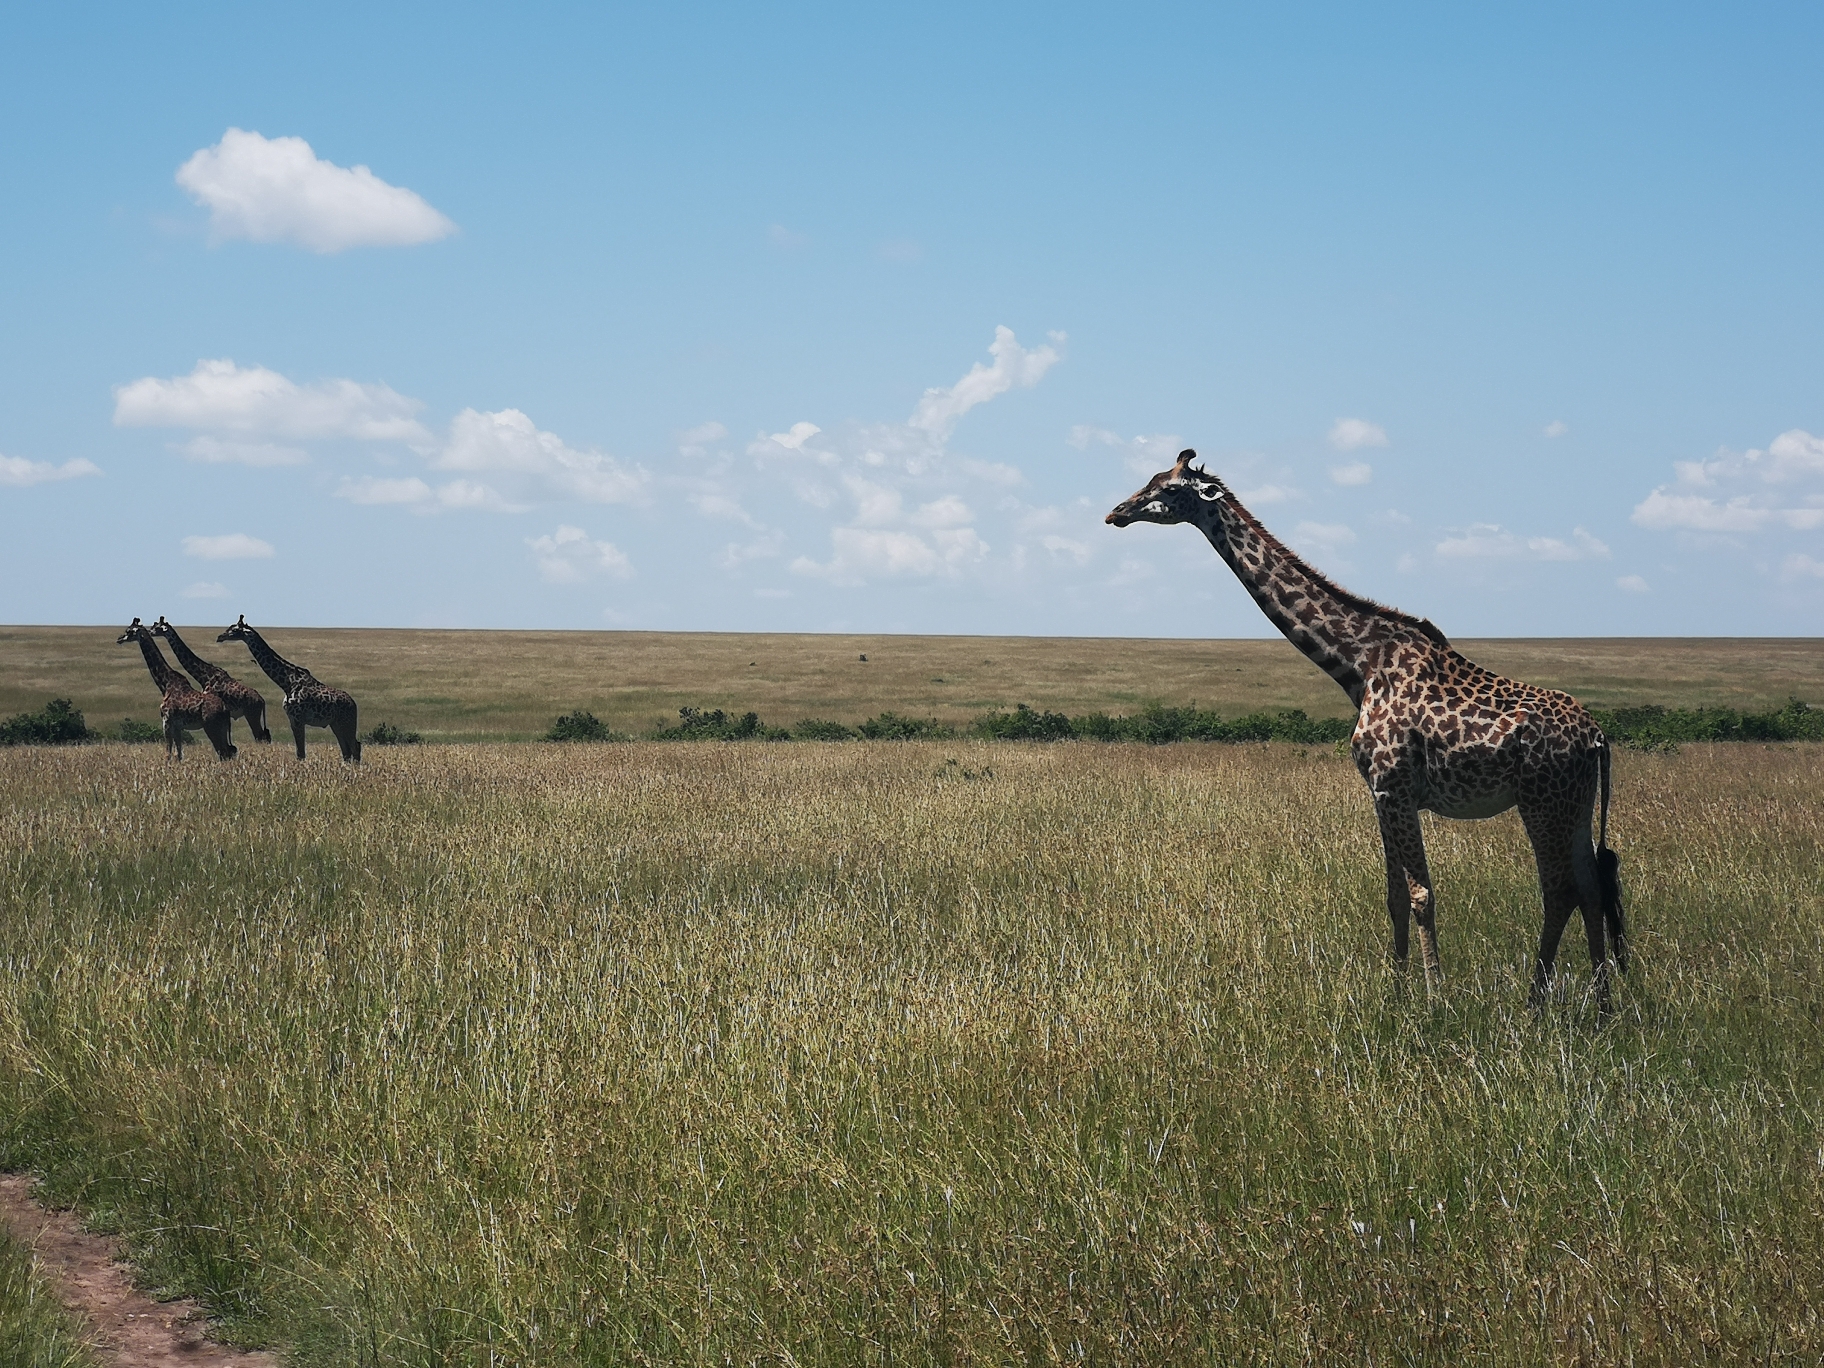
[1409,892]
[297,729]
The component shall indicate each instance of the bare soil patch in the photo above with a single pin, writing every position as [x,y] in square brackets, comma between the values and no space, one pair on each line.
[131,1330]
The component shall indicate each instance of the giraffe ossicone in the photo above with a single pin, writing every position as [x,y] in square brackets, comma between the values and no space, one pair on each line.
[1434,731]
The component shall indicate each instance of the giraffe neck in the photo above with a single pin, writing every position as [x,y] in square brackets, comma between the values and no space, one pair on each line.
[278,669]
[167,679]
[1338,631]
[200,670]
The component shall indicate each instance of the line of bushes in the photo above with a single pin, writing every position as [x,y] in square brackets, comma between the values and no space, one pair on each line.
[1649,727]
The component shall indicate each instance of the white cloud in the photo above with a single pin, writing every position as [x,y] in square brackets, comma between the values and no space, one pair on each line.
[864,553]
[1557,428]
[1350,434]
[510,444]
[948,511]
[370,490]
[794,438]
[939,409]
[1488,541]
[278,190]
[1141,455]
[1634,584]
[1065,549]
[1355,473]
[206,589]
[1743,492]
[413,493]
[1801,566]
[1318,536]
[228,546]
[569,556]
[253,401]
[693,443]
[19,472]
[216,451]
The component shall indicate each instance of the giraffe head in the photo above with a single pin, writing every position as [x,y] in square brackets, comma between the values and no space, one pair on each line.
[160,628]
[1171,496]
[236,630]
[136,631]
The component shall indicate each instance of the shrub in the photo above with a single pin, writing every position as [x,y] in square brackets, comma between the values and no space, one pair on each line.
[580,726]
[892,727]
[811,729]
[694,724]
[1023,724]
[1651,727]
[129,730]
[386,734]
[57,723]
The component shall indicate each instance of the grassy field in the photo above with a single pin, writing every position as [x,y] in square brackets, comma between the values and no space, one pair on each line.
[911,1053]
[466,686]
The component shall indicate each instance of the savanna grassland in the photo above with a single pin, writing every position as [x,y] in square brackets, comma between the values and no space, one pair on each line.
[911,1053]
[502,686]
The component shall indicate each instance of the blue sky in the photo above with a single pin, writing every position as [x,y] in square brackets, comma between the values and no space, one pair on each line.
[1507,317]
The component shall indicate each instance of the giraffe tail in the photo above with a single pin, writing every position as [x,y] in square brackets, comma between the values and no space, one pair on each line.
[1608,873]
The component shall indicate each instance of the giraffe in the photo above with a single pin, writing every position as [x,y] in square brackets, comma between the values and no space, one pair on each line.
[307,702]
[1434,731]
[242,700]
[182,706]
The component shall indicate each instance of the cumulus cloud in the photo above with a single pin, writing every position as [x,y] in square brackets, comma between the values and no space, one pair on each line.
[1489,541]
[1743,492]
[939,409]
[1351,434]
[19,472]
[252,401]
[863,553]
[1354,473]
[413,493]
[279,190]
[569,556]
[1801,566]
[1319,537]
[507,443]
[1140,455]
[228,546]
[220,451]
[206,589]
[1634,584]
[1557,428]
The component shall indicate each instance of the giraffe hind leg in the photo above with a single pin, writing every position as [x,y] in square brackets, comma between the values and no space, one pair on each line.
[221,736]
[348,737]
[1409,892]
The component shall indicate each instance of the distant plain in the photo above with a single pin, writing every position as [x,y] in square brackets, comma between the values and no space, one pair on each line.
[502,686]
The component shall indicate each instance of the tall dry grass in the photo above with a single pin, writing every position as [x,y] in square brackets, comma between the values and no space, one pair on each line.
[911,1054]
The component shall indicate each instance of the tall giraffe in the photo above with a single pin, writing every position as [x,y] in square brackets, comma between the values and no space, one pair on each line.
[182,706]
[307,702]
[242,700]
[1434,731]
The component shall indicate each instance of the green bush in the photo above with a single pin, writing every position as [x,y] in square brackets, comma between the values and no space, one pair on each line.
[892,727]
[386,734]
[57,723]
[694,724]
[1023,724]
[581,726]
[1651,727]
[129,730]
[811,729]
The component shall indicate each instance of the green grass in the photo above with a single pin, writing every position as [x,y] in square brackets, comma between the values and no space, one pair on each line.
[836,1054]
[511,685]
[35,1332]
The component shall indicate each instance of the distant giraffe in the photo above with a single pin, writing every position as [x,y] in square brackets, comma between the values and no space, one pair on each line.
[182,706]
[242,700]
[1435,731]
[307,702]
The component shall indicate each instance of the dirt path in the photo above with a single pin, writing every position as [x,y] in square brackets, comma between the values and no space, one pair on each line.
[131,1330]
